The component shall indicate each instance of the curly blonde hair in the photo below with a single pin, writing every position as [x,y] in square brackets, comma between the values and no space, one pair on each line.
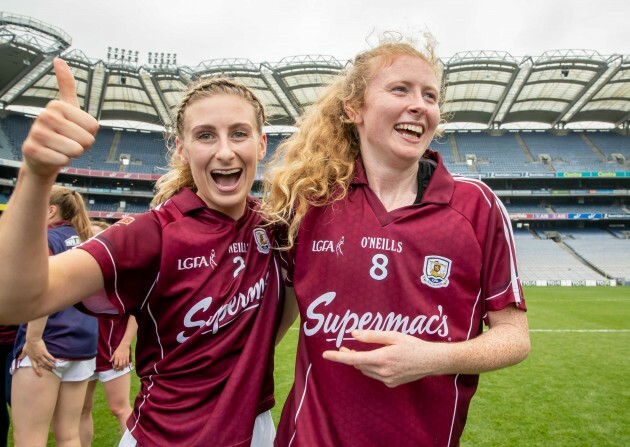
[315,165]
[179,175]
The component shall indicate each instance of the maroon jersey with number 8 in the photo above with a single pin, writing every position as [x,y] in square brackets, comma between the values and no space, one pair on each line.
[431,270]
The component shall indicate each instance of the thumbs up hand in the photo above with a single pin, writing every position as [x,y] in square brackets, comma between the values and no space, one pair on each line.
[61,132]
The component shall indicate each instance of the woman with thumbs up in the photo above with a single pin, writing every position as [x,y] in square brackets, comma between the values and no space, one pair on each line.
[197,272]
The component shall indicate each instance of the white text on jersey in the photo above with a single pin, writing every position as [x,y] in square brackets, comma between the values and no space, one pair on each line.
[197,316]
[381,243]
[340,325]
[194,263]
[238,247]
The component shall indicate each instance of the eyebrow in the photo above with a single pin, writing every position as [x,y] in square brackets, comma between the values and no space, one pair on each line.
[208,126]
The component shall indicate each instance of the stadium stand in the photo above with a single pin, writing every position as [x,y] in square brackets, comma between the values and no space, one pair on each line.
[565,187]
[146,149]
[610,143]
[602,249]
[16,127]
[525,208]
[544,260]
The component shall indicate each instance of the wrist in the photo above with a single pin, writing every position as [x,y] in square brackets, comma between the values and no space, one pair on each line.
[26,172]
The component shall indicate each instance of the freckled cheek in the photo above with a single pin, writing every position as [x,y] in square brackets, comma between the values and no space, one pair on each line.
[435,118]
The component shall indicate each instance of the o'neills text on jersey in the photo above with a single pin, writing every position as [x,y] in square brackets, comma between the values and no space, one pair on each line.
[199,317]
[238,247]
[381,243]
[340,325]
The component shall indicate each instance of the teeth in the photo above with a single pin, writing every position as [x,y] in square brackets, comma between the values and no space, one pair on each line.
[410,127]
[226,172]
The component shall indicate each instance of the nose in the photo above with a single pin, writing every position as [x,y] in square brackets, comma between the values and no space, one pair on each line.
[417,104]
[225,152]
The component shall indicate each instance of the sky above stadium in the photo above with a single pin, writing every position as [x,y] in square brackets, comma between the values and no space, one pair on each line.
[268,30]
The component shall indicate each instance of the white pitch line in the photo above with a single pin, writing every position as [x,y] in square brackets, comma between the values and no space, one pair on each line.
[579,330]
[544,330]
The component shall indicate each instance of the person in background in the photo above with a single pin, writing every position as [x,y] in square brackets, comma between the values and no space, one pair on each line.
[7,339]
[113,367]
[197,272]
[396,264]
[54,356]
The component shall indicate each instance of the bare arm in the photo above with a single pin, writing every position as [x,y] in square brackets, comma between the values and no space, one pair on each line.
[58,134]
[289,313]
[35,347]
[121,356]
[405,358]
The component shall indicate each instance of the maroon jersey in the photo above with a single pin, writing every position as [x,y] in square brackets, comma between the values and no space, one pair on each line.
[7,334]
[110,334]
[205,290]
[431,270]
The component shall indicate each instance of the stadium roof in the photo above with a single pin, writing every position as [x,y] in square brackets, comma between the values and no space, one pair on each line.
[491,89]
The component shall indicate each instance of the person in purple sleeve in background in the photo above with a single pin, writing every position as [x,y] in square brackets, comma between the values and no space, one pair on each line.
[7,339]
[54,356]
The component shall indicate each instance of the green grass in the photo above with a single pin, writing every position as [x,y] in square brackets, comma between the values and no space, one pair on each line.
[571,391]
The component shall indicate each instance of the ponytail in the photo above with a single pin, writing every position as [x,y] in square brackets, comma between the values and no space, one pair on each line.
[71,208]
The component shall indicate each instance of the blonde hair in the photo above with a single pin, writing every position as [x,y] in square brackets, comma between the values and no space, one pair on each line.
[71,208]
[180,176]
[315,165]
[101,225]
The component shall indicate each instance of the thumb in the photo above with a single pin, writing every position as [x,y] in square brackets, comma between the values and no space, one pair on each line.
[378,337]
[65,81]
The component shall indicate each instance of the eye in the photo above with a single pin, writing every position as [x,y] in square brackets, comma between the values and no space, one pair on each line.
[432,96]
[205,136]
[239,135]
[399,89]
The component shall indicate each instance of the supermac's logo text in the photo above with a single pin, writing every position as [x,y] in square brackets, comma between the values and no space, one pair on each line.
[203,315]
[339,325]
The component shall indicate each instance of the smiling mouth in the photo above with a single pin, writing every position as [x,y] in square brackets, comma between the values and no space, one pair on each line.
[226,179]
[409,130]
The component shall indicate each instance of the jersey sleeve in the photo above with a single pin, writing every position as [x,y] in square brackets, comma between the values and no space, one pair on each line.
[499,275]
[128,254]
[285,257]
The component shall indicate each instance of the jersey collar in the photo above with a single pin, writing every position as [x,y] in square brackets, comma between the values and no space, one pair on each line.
[60,223]
[187,202]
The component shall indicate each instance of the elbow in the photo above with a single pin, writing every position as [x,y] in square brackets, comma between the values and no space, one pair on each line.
[523,347]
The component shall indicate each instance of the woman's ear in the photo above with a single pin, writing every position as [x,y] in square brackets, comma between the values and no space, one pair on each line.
[181,152]
[351,112]
[262,149]
[52,211]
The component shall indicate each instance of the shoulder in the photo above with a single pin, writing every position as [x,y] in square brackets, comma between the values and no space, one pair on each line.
[469,190]
[62,238]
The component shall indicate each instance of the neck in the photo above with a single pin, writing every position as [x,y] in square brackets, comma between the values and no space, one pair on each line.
[394,188]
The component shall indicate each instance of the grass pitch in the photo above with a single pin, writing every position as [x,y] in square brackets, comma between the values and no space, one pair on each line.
[571,391]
